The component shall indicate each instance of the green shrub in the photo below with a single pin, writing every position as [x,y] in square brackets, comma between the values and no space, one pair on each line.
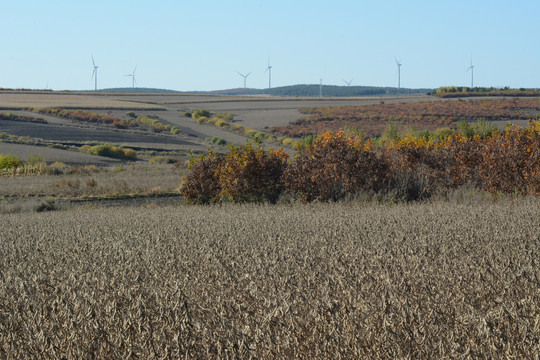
[288,142]
[175,130]
[218,141]
[249,132]
[187,114]
[34,159]
[221,123]
[131,114]
[109,150]
[226,116]
[9,161]
[199,113]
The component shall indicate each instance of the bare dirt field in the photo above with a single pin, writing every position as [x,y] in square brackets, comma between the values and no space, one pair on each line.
[18,100]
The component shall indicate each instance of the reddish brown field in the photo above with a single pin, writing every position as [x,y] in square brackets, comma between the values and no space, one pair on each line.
[425,115]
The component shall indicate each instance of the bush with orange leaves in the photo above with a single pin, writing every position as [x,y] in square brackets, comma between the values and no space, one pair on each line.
[247,173]
[334,166]
[511,161]
[337,165]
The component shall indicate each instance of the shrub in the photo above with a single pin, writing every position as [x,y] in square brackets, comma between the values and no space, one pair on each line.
[511,161]
[333,167]
[85,148]
[187,114]
[112,151]
[200,113]
[246,173]
[226,116]
[218,141]
[221,123]
[131,114]
[249,132]
[201,185]
[9,161]
[288,142]
[175,130]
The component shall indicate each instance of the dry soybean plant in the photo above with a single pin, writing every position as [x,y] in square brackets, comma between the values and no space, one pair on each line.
[339,280]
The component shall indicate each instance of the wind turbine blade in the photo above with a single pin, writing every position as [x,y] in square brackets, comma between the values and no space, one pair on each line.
[134,70]
[248,74]
[242,75]
[93,62]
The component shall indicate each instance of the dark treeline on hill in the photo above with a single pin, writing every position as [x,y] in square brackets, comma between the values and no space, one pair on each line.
[463,91]
[327,90]
[293,90]
[141,91]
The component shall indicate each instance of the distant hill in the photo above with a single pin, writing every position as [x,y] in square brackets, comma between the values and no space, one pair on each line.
[140,91]
[303,90]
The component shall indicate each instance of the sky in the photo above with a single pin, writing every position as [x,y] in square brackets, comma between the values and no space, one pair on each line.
[201,45]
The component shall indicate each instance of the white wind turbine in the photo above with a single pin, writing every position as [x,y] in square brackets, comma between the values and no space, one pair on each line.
[472,74]
[244,76]
[133,81]
[348,82]
[269,69]
[94,73]
[398,63]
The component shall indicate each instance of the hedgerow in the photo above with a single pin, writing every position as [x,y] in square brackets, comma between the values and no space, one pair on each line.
[336,165]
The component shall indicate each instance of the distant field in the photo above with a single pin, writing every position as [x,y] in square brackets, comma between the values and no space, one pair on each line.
[11,101]
[257,112]
[419,115]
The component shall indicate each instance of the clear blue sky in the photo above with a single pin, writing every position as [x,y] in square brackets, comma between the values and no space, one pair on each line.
[199,45]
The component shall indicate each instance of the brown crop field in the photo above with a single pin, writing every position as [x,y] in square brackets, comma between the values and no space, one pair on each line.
[342,281]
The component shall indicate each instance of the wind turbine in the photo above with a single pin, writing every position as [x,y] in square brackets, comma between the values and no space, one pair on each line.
[132,77]
[348,82]
[94,73]
[472,74]
[269,69]
[244,76]
[398,63]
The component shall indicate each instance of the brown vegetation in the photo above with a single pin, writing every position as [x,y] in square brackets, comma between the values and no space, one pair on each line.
[371,119]
[422,281]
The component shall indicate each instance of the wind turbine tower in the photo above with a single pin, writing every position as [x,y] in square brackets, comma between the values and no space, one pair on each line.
[472,74]
[94,73]
[269,69]
[398,63]
[133,81]
[244,76]
[320,89]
